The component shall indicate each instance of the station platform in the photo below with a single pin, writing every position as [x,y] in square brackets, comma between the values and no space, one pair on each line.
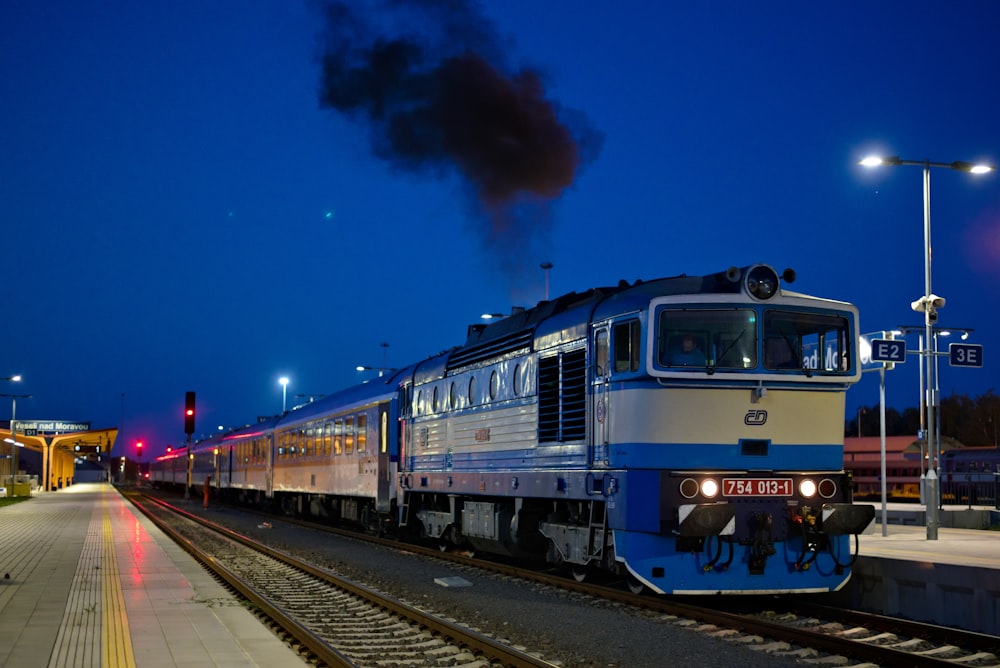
[88,581]
[953,580]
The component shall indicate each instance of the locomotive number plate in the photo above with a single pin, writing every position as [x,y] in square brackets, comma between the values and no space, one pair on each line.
[757,486]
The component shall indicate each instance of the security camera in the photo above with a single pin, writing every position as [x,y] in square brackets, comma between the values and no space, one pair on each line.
[932,314]
[929,302]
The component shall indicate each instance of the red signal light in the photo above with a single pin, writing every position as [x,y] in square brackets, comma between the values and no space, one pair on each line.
[189,413]
[138,449]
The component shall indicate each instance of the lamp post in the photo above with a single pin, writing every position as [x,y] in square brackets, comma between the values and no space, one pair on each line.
[16,378]
[546,266]
[385,362]
[13,430]
[284,392]
[928,304]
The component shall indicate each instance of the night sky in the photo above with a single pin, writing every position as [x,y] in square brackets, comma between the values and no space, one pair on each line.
[210,195]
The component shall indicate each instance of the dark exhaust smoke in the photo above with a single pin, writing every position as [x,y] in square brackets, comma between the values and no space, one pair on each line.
[432,85]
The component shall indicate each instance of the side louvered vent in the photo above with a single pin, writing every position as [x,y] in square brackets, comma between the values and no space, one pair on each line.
[562,397]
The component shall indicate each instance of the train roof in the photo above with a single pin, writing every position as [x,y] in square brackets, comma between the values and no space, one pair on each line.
[567,318]
[972,452]
[376,389]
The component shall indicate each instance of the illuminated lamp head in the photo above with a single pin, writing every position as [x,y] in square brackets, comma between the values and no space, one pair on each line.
[762,282]
[709,488]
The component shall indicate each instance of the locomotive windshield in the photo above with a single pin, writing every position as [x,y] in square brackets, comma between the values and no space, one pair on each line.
[813,341]
[720,339]
[735,339]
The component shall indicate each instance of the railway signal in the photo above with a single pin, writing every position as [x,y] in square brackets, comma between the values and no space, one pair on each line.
[138,449]
[189,413]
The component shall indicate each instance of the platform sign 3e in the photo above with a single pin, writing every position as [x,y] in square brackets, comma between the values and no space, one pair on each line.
[965,354]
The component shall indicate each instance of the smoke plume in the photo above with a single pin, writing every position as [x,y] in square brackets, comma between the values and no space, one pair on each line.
[432,85]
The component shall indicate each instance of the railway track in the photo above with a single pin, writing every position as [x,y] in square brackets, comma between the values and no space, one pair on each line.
[786,625]
[329,618]
[783,626]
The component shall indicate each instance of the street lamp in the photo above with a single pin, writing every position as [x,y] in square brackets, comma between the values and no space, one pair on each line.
[16,379]
[928,305]
[284,392]
[385,362]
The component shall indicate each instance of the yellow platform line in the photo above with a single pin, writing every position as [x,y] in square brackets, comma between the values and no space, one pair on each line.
[116,637]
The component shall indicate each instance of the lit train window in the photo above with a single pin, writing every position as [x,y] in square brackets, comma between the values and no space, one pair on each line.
[348,435]
[338,437]
[494,385]
[362,432]
[707,338]
[384,432]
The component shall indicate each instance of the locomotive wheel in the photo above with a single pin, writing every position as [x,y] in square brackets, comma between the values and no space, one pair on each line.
[579,572]
[634,585]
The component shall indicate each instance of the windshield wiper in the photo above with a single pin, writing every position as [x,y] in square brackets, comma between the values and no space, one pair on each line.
[730,346]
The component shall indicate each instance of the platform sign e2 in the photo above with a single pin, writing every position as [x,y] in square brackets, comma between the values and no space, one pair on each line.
[965,354]
[888,350]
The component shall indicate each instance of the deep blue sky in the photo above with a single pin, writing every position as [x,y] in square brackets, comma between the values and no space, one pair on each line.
[178,212]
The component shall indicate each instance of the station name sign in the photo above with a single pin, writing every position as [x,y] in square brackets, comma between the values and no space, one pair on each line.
[51,426]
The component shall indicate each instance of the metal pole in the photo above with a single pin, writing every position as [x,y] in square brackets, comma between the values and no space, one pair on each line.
[13,446]
[881,416]
[923,425]
[932,479]
[121,438]
[937,419]
[545,267]
[188,481]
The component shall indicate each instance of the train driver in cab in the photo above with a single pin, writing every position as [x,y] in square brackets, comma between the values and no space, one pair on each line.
[688,353]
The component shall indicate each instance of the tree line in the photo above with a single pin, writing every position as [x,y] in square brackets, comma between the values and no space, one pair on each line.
[971,421]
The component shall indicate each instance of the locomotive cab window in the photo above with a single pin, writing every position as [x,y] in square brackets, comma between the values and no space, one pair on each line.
[806,341]
[601,353]
[702,339]
[626,338]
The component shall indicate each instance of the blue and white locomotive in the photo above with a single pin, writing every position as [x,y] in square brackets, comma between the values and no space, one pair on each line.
[685,432]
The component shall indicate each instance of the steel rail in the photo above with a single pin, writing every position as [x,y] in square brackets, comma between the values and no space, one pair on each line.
[460,635]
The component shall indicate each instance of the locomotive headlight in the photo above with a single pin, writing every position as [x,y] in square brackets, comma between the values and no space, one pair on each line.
[807,488]
[689,488]
[762,282]
[709,488]
[827,488]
